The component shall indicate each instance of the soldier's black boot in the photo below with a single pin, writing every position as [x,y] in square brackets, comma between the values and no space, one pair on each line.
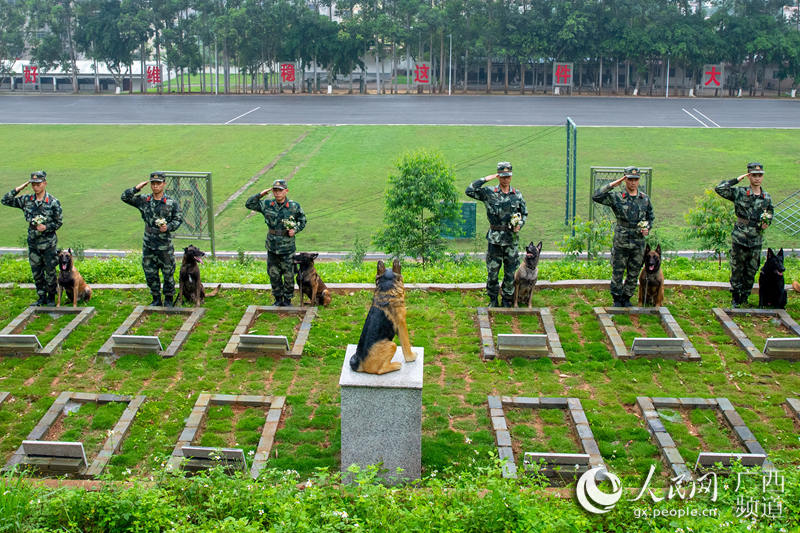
[286,302]
[508,302]
[40,302]
[156,301]
[51,299]
[493,301]
[627,303]
[169,300]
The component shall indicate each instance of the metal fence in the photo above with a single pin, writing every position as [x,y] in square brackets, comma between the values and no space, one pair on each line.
[787,214]
[603,175]
[194,193]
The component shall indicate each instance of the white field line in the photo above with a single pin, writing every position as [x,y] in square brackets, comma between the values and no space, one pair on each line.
[705,117]
[694,117]
[243,114]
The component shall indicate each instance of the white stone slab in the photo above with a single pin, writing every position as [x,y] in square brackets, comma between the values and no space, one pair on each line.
[408,377]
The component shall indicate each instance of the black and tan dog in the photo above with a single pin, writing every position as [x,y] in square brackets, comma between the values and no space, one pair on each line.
[190,288]
[651,280]
[70,280]
[386,318]
[308,279]
[527,275]
[771,288]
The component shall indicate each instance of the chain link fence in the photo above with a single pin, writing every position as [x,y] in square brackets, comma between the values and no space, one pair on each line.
[193,191]
[601,176]
[787,214]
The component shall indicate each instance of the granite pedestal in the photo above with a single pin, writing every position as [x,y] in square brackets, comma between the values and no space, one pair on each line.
[382,418]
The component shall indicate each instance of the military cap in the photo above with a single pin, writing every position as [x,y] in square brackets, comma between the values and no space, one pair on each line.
[503,168]
[632,172]
[755,168]
[38,177]
[279,184]
[157,176]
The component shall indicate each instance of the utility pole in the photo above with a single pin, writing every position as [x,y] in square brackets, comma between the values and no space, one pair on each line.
[450,69]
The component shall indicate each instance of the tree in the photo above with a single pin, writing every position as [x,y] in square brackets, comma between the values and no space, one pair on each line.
[12,38]
[51,29]
[421,199]
[711,221]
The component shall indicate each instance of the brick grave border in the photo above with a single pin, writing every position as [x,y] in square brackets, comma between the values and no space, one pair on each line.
[667,446]
[724,315]
[503,437]
[252,313]
[112,443]
[276,405]
[194,316]
[4,396]
[793,403]
[488,349]
[16,325]
[605,314]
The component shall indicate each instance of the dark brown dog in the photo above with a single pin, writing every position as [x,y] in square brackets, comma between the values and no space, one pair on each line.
[527,275]
[651,280]
[190,288]
[70,280]
[308,280]
[386,318]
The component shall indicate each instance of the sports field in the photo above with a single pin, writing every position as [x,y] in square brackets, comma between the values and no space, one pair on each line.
[339,173]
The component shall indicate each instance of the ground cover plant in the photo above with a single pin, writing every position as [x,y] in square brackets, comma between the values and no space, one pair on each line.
[339,173]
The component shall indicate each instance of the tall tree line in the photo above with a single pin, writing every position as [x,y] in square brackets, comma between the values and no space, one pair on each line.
[614,44]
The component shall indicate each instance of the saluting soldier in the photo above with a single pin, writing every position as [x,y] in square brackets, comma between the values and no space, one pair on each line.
[284,218]
[507,213]
[634,214]
[753,207]
[42,212]
[162,215]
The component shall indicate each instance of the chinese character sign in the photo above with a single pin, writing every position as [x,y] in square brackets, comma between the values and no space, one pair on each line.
[562,74]
[287,72]
[713,76]
[422,73]
[30,73]
[153,75]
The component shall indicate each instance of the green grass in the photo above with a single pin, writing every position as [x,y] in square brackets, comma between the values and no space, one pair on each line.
[455,420]
[339,174]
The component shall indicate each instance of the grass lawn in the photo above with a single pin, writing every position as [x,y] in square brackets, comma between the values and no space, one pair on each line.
[339,174]
[455,418]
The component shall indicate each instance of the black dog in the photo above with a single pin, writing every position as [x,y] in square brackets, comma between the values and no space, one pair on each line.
[190,289]
[771,289]
[308,279]
[526,275]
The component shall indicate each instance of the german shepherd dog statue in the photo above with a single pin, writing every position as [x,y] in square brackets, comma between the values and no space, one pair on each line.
[70,280]
[190,288]
[308,279]
[526,275]
[771,289]
[386,318]
[651,280]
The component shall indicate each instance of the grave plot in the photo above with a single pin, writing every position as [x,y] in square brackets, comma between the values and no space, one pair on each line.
[12,342]
[74,415]
[250,337]
[675,345]
[555,464]
[547,344]
[193,457]
[774,347]
[754,456]
[121,342]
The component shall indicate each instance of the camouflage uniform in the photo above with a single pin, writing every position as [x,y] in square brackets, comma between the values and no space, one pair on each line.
[280,246]
[503,242]
[627,253]
[157,250]
[42,246]
[746,237]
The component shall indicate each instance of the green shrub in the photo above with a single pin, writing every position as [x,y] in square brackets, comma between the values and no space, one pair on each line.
[711,222]
[590,236]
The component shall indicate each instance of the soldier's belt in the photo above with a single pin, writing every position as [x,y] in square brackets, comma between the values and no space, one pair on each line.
[627,226]
[280,232]
[748,222]
[499,228]
[148,229]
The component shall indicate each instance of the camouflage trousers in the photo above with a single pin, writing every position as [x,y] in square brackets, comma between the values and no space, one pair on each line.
[745,261]
[627,257]
[44,262]
[508,258]
[281,275]
[154,261]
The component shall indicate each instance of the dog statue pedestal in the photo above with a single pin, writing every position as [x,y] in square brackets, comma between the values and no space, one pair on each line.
[382,417]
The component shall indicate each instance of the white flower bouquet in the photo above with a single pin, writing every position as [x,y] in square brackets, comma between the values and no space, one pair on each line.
[643,224]
[38,219]
[516,221]
[766,218]
[161,222]
[290,223]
